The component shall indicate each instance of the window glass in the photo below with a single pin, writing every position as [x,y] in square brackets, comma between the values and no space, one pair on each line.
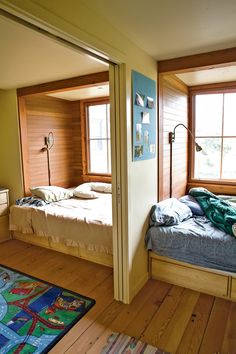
[98,136]
[207,162]
[215,131]
[230,114]
[97,121]
[229,158]
[98,156]
[208,114]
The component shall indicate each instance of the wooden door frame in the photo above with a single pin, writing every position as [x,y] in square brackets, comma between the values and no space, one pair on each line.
[118,104]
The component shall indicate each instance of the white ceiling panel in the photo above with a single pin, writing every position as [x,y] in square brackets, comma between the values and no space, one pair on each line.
[28,58]
[83,93]
[172,28]
[211,76]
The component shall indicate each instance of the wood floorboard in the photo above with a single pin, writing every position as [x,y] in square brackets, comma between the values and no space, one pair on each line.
[229,342]
[215,331]
[178,320]
[193,334]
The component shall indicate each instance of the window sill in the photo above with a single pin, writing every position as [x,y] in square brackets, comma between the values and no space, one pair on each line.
[218,187]
[96,178]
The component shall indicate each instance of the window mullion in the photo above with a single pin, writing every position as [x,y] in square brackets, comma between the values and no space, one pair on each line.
[222,136]
[107,138]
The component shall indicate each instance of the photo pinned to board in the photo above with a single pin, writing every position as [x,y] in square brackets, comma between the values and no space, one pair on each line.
[139,99]
[138,151]
[150,102]
[152,148]
[146,137]
[145,117]
[138,133]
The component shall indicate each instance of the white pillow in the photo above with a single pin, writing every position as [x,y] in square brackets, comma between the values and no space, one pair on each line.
[84,191]
[101,187]
[51,193]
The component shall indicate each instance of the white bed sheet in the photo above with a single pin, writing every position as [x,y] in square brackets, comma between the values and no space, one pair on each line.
[86,223]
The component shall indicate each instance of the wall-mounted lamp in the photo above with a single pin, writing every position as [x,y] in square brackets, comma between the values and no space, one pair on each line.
[49,142]
[171,141]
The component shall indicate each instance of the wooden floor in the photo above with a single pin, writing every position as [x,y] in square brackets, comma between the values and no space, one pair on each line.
[176,319]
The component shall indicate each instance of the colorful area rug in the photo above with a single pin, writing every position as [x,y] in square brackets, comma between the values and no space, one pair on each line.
[119,343]
[35,315]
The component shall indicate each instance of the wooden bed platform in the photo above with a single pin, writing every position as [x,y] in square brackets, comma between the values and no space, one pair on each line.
[210,281]
[92,256]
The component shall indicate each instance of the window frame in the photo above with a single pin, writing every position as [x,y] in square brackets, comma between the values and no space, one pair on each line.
[198,90]
[90,176]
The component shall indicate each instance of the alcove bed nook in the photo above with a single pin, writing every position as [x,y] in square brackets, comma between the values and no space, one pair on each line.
[183,82]
[65,135]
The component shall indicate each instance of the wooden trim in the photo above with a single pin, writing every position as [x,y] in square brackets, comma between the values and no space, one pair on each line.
[214,185]
[66,84]
[222,87]
[206,280]
[92,256]
[217,188]
[160,140]
[24,144]
[84,138]
[96,178]
[209,60]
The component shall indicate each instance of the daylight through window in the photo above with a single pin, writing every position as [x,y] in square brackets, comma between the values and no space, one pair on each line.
[98,138]
[215,131]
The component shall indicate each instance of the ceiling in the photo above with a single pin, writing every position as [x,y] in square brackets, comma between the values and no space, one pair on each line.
[83,93]
[168,28]
[164,29]
[210,76]
[28,58]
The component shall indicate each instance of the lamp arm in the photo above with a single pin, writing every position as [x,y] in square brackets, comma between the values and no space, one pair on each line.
[178,125]
[171,141]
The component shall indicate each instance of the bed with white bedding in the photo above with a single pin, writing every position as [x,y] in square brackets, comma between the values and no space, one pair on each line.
[82,227]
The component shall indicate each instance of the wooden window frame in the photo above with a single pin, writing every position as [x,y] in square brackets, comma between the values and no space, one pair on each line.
[89,176]
[207,89]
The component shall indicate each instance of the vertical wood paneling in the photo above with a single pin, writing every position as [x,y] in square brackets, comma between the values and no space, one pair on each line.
[77,142]
[45,114]
[173,110]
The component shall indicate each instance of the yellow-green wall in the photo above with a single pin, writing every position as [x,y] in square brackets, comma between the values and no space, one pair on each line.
[75,20]
[10,170]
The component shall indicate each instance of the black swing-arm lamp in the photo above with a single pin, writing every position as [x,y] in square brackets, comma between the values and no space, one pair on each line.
[49,142]
[172,140]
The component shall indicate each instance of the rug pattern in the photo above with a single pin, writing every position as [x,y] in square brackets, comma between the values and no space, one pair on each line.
[34,314]
[119,343]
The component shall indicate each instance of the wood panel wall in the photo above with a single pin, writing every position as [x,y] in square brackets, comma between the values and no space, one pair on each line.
[43,114]
[77,142]
[173,109]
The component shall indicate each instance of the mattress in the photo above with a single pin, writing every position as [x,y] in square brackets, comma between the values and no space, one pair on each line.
[194,241]
[85,223]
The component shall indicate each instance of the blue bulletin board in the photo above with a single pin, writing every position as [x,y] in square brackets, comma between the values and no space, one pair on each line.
[144,117]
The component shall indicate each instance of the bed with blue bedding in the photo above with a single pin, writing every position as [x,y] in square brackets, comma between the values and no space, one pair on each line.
[196,241]
[181,234]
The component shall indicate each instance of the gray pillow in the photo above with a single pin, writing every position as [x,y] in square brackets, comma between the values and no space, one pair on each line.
[192,204]
[169,212]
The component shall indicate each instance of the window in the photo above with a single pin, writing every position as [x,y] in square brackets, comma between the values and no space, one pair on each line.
[214,124]
[98,142]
